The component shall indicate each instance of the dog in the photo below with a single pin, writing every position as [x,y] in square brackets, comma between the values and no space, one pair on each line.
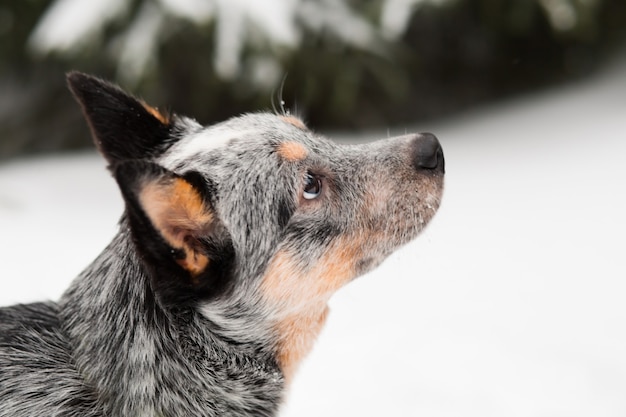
[233,238]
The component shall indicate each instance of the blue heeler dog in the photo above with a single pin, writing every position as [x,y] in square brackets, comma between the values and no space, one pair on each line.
[233,239]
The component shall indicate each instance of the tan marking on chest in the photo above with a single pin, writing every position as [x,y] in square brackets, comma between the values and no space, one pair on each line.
[298,297]
[297,336]
[292,151]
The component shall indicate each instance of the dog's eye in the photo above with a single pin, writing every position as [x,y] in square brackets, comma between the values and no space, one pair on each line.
[312,186]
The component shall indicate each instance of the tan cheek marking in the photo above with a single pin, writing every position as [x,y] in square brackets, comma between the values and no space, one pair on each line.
[286,285]
[156,113]
[294,121]
[179,214]
[299,297]
[292,151]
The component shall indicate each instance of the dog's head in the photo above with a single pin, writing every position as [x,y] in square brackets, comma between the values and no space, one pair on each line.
[258,212]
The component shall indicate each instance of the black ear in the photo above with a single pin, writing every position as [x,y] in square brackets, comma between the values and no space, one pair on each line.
[122,126]
[180,237]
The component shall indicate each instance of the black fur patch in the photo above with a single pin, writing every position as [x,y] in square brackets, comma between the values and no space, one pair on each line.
[315,233]
[122,127]
[285,211]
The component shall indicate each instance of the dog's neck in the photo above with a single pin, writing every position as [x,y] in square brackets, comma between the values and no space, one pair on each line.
[153,360]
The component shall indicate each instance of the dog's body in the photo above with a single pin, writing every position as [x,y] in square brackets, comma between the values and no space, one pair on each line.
[233,239]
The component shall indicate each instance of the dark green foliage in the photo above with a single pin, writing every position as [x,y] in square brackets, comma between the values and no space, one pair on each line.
[450,57]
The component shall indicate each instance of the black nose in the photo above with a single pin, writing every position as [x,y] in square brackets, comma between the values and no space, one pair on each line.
[427,153]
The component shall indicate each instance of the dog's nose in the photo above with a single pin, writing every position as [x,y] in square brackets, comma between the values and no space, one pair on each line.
[427,153]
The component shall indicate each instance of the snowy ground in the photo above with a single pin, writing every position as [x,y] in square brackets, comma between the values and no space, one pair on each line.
[513,303]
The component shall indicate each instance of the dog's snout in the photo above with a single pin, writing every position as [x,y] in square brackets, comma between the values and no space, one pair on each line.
[427,153]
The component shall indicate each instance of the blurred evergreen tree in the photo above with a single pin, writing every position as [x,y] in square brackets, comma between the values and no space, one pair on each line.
[340,63]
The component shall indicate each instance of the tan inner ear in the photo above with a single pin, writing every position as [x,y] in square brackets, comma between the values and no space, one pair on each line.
[179,213]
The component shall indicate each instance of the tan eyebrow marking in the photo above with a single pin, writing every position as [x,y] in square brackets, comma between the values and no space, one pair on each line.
[292,120]
[292,151]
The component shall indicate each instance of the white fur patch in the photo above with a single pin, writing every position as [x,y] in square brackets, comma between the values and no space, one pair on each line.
[198,143]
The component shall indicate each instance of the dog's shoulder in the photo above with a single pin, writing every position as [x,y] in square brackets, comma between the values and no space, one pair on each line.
[16,318]
[35,356]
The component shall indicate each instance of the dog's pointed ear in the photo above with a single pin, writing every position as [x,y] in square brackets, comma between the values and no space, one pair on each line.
[175,229]
[122,126]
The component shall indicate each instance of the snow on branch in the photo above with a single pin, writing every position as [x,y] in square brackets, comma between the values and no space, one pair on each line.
[70,26]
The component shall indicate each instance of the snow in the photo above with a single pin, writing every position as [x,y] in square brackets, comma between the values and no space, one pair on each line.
[510,304]
[70,24]
[269,26]
[140,44]
[396,14]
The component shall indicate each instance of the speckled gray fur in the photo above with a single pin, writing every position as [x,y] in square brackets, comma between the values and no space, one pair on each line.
[128,338]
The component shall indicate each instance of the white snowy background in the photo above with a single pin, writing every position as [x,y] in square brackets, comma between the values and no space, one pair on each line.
[512,303]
